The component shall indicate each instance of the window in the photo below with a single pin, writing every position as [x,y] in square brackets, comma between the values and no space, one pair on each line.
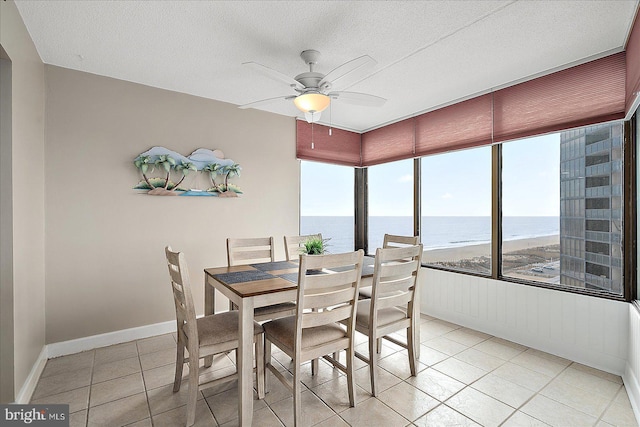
[531,206]
[456,210]
[390,201]
[327,203]
[562,208]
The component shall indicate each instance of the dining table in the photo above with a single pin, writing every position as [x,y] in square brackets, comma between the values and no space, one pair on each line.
[249,287]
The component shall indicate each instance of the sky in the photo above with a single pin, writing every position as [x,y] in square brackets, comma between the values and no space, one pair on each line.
[453,184]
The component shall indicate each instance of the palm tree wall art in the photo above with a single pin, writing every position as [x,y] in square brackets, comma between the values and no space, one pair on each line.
[202,160]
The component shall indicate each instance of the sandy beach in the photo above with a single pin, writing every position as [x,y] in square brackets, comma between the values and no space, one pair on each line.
[535,258]
[473,251]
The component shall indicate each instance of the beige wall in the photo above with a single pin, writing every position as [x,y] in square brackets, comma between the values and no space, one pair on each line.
[28,190]
[7,388]
[105,263]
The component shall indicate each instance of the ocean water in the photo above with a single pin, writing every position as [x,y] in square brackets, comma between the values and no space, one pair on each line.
[437,231]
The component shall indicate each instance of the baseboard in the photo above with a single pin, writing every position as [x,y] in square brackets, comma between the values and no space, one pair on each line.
[633,390]
[29,386]
[110,338]
[87,343]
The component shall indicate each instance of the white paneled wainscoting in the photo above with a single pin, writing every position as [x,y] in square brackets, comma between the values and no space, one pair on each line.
[597,332]
[632,370]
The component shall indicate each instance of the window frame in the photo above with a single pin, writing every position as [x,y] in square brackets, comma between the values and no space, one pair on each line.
[630,219]
[629,227]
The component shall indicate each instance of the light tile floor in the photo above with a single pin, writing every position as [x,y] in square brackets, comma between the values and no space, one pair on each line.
[466,378]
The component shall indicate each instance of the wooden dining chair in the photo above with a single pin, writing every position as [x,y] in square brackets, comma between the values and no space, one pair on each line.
[324,300]
[244,251]
[204,337]
[389,241]
[391,307]
[293,245]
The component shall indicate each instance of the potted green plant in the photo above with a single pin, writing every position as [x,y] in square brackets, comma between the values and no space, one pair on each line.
[315,246]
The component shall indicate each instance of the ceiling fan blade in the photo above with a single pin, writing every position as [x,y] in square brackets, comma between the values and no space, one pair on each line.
[267,101]
[274,74]
[348,69]
[358,98]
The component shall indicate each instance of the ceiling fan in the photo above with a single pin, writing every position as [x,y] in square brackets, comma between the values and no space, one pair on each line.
[314,89]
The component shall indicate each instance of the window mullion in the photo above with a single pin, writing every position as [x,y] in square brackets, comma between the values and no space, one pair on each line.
[496,211]
[417,202]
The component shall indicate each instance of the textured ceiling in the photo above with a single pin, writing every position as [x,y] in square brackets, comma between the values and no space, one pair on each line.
[428,53]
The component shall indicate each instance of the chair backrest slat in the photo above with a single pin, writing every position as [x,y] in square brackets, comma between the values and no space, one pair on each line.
[398,284]
[393,241]
[293,245]
[319,318]
[394,300]
[327,261]
[326,280]
[250,250]
[327,299]
[398,268]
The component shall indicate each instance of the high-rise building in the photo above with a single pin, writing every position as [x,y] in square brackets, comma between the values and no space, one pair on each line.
[591,207]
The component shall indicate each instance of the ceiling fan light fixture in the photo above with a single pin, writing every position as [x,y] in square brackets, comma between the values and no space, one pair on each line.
[312,102]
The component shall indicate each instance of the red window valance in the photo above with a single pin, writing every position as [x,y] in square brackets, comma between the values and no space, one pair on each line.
[313,142]
[633,65]
[389,143]
[585,94]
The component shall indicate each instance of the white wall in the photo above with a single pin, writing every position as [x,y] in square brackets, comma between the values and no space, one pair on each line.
[105,263]
[588,330]
[632,369]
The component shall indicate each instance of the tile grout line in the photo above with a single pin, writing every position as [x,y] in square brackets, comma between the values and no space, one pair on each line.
[93,364]
[515,410]
[538,393]
[443,402]
[611,403]
[144,383]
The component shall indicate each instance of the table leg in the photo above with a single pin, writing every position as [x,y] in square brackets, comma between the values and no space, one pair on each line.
[245,362]
[209,308]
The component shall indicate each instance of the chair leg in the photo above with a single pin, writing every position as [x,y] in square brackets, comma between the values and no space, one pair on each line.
[411,349]
[415,329]
[193,390]
[260,371]
[208,361]
[314,366]
[351,375]
[179,366]
[336,356]
[297,390]
[378,345]
[415,333]
[267,362]
[373,363]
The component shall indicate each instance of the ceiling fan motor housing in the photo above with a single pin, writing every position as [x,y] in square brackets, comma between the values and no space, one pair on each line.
[309,80]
